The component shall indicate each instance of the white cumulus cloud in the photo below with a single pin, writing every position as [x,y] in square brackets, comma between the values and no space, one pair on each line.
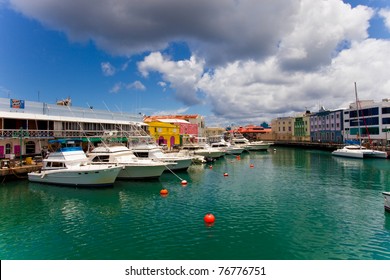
[107,69]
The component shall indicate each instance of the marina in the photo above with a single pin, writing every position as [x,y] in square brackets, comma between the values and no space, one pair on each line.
[280,204]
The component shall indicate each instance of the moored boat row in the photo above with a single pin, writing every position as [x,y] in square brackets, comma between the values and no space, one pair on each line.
[102,165]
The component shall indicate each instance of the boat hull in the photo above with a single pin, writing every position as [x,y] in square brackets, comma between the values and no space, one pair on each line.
[234,151]
[178,163]
[366,153]
[257,147]
[386,196]
[210,154]
[90,176]
[139,171]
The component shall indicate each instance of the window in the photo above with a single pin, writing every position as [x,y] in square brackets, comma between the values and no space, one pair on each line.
[8,148]
[101,158]
[386,110]
[30,147]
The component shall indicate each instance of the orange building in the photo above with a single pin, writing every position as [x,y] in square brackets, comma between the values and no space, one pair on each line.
[253,132]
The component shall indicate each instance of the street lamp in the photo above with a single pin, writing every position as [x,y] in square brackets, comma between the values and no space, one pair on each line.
[21,145]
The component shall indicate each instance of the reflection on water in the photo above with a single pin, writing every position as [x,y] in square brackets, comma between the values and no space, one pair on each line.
[287,204]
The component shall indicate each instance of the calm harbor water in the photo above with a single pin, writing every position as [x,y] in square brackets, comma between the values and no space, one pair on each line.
[292,204]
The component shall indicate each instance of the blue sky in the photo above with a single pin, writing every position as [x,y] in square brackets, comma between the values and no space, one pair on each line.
[232,61]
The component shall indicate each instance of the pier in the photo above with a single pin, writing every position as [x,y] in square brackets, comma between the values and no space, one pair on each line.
[309,145]
[14,170]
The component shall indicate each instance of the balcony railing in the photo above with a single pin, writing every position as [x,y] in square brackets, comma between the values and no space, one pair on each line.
[48,134]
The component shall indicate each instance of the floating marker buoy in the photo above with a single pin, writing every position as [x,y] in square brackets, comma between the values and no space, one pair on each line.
[164,192]
[238,157]
[225,174]
[252,165]
[209,218]
[184,182]
[211,167]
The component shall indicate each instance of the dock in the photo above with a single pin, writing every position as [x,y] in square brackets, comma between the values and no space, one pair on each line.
[15,170]
[309,145]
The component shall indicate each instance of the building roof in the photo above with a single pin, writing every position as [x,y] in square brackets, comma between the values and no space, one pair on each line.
[173,121]
[52,112]
[181,117]
[253,129]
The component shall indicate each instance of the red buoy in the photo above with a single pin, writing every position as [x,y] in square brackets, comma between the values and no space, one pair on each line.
[209,218]
[184,182]
[252,165]
[211,167]
[164,192]
[225,174]
[238,157]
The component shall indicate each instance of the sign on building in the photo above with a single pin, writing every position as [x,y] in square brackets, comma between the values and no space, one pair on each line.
[17,104]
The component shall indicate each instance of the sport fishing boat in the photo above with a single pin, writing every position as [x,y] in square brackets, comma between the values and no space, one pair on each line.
[151,151]
[241,141]
[69,165]
[199,146]
[229,148]
[133,167]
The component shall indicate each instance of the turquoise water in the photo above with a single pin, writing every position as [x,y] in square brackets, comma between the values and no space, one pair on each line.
[292,204]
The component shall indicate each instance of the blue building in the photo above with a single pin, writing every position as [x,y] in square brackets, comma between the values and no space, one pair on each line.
[326,126]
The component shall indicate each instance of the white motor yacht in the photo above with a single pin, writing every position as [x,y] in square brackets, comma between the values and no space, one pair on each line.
[241,141]
[198,146]
[133,167]
[69,165]
[228,147]
[154,152]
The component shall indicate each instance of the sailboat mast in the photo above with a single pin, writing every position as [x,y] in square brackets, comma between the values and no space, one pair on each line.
[358,116]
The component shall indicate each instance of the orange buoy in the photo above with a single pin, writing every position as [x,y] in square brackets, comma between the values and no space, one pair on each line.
[164,192]
[225,174]
[209,218]
[238,157]
[184,182]
[252,165]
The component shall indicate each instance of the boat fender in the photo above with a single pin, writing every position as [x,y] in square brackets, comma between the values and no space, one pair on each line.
[43,175]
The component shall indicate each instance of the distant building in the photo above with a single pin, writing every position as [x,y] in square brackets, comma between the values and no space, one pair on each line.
[374,121]
[189,124]
[283,128]
[302,127]
[164,133]
[253,132]
[326,126]
[214,134]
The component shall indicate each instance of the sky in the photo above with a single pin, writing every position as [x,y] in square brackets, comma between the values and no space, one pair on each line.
[235,62]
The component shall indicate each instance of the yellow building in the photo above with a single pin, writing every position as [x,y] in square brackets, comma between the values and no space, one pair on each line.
[283,128]
[164,133]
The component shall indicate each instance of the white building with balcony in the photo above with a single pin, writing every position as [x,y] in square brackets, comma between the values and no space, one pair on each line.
[26,126]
